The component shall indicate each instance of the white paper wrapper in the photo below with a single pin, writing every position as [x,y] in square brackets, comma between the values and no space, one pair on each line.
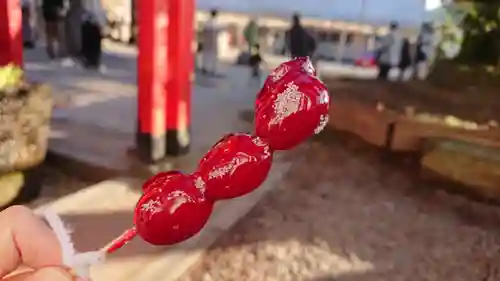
[79,262]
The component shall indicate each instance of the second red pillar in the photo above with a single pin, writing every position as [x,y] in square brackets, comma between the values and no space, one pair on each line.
[165,64]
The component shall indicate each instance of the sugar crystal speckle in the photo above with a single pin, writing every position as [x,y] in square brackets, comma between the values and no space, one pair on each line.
[278,73]
[308,67]
[199,183]
[324,98]
[240,159]
[286,103]
[323,120]
[152,206]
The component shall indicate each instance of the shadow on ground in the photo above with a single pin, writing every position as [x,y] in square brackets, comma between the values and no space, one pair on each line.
[346,212]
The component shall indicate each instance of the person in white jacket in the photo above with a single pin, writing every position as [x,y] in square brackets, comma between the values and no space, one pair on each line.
[389,52]
[426,48]
[210,44]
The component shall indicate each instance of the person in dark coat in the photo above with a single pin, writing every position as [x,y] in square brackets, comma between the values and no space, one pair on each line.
[255,62]
[28,12]
[405,61]
[91,41]
[299,41]
[53,13]
[73,23]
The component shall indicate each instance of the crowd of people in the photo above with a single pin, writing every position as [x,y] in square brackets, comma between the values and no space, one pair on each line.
[74,32]
[71,31]
[396,52]
[299,42]
[393,51]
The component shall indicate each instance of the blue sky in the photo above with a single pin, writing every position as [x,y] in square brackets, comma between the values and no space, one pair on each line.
[407,12]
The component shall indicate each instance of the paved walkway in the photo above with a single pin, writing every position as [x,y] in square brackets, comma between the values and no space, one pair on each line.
[107,99]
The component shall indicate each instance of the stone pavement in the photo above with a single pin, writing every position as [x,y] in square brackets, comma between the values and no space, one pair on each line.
[92,132]
[89,94]
[93,105]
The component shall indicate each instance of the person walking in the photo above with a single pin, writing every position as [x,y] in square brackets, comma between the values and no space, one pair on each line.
[210,41]
[300,42]
[251,34]
[53,13]
[29,18]
[406,60]
[255,62]
[389,52]
[424,51]
[73,23]
[91,41]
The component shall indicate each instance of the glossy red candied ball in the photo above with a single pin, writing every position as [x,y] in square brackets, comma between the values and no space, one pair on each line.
[298,64]
[160,180]
[304,64]
[236,165]
[173,213]
[294,111]
[292,68]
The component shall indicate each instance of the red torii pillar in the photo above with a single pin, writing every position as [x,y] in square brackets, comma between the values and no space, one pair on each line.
[165,63]
[11,40]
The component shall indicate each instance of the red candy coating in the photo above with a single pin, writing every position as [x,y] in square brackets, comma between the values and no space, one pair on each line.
[159,180]
[235,166]
[290,69]
[292,105]
[295,109]
[304,64]
[172,213]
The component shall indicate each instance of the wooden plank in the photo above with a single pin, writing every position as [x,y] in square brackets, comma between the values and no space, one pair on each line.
[473,165]
[367,122]
[409,134]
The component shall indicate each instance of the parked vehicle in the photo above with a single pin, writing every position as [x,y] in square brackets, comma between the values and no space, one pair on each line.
[366,60]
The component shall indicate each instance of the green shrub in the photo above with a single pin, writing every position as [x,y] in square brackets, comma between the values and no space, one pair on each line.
[11,77]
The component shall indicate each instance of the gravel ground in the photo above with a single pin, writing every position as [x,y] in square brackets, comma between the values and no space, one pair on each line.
[345,214]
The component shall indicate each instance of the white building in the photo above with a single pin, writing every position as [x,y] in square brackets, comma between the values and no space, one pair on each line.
[345,28]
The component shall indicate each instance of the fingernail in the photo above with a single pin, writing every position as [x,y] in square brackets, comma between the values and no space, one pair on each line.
[54,274]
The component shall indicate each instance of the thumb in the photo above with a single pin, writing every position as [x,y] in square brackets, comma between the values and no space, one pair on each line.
[43,274]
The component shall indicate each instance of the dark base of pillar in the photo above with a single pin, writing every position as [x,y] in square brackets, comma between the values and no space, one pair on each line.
[177,142]
[149,148]
[154,149]
[141,168]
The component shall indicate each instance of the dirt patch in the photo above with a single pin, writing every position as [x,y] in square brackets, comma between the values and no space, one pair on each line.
[345,213]
[471,103]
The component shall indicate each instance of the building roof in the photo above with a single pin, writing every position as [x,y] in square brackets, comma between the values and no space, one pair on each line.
[373,12]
